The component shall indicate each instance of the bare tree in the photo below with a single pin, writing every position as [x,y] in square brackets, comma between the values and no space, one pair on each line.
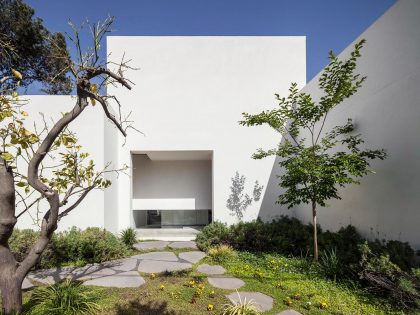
[57,174]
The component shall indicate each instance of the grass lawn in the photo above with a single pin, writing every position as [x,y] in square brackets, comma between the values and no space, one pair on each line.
[291,282]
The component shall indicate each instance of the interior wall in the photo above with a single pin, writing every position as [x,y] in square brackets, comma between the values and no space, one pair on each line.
[173,180]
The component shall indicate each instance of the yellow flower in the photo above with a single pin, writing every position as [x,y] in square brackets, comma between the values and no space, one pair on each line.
[323,305]
[210,307]
[24,114]
[192,283]
[288,301]
[152,276]
[286,265]
[162,287]
[212,293]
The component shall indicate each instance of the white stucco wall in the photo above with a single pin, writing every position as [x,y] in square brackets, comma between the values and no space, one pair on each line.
[89,127]
[189,95]
[386,111]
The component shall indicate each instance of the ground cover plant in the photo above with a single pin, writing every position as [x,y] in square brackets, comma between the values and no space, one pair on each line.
[293,282]
[386,269]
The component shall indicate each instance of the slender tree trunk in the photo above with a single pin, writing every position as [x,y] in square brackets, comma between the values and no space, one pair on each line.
[315,230]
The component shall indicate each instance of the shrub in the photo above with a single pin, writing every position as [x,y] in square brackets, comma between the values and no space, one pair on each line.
[22,241]
[65,298]
[128,237]
[93,245]
[213,234]
[76,247]
[221,253]
[288,236]
[384,277]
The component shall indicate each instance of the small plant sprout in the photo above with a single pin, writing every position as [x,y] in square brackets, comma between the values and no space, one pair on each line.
[242,307]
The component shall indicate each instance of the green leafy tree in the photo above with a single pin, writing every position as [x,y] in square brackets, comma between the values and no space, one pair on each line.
[315,166]
[26,45]
[43,169]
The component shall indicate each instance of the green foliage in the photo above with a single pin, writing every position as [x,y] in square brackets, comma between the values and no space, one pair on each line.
[331,264]
[129,237]
[288,236]
[22,241]
[243,307]
[92,245]
[65,298]
[221,253]
[316,162]
[26,45]
[75,247]
[313,171]
[213,234]
[385,277]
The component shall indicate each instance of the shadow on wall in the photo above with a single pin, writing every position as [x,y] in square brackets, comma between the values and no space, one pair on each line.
[239,201]
[270,209]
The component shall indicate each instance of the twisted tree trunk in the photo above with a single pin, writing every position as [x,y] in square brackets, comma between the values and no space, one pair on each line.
[10,281]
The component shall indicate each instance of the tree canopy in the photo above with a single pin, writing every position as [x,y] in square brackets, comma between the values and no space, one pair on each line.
[29,47]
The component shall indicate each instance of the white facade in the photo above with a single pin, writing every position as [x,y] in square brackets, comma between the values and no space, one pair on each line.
[386,111]
[189,95]
[188,98]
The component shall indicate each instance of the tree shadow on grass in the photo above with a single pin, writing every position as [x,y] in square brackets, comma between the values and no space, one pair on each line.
[135,307]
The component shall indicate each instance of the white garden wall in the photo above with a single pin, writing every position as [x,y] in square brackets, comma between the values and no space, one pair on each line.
[386,111]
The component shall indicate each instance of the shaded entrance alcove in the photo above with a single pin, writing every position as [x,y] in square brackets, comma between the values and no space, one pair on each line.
[172,188]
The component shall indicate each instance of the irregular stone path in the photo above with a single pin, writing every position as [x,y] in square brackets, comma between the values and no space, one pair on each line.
[151,245]
[229,283]
[211,269]
[124,273]
[289,312]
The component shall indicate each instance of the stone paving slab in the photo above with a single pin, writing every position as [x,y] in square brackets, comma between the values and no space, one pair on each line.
[99,273]
[151,245]
[51,276]
[262,302]
[26,284]
[228,283]
[155,266]
[127,264]
[289,312]
[129,279]
[211,269]
[187,244]
[158,256]
[192,257]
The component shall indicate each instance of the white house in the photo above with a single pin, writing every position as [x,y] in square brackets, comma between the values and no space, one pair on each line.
[188,98]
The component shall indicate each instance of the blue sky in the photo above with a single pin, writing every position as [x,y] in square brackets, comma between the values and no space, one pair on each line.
[327,24]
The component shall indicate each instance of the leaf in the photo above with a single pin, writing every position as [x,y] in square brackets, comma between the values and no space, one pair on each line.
[93,101]
[7,156]
[17,74]
[21,184]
